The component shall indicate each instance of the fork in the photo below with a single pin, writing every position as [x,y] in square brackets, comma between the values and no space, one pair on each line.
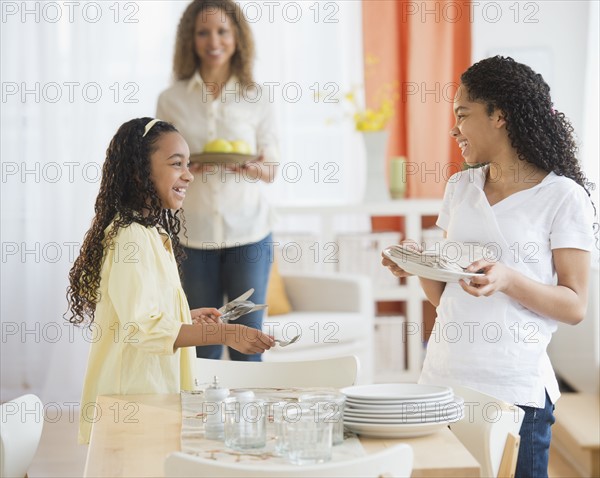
[285,343]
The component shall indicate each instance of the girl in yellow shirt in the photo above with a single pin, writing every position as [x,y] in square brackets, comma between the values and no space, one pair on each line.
[125,283]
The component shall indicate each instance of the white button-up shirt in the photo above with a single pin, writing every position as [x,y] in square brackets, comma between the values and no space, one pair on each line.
[494,344]
[223,208]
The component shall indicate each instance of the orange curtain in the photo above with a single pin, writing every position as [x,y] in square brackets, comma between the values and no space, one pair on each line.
[421,48]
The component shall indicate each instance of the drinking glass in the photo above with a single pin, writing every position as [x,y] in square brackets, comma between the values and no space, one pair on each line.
[307,435]
[281,410]
[245,423]
[331,405]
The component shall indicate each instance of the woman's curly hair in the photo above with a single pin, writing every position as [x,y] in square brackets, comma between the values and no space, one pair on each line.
[186,61]
[127,195]
[541,135]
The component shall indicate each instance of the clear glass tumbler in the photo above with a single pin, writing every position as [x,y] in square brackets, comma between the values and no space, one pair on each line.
[307,435]
[245,423]
[281,410]
[331,405]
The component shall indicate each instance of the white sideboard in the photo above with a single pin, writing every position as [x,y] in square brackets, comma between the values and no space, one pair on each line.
[321,223]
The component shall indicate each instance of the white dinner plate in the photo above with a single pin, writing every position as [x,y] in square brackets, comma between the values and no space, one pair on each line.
[451,409]
[397,430]
[400,392]
[390,401]
[428,272]
[446,418]
[404,407]
[387,404]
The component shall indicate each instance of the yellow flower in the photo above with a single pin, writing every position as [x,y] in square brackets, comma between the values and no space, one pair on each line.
[369,119]
[372,120]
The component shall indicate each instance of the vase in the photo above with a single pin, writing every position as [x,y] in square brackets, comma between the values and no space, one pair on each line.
[398,177]
[376,189]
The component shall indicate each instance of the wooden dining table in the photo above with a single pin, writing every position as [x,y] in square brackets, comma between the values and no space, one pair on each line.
[133,434]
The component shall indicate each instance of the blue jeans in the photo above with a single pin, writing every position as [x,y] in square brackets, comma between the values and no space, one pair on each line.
[211,274]
[535,441]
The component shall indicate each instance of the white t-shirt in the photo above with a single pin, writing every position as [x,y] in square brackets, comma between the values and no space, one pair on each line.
[223,208]
[494,344]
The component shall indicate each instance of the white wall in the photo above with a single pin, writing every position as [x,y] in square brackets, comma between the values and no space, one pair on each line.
[552,38]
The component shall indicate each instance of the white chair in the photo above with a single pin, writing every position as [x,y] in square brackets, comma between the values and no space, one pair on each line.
[22,420]
[393,462]
[333,312]
[334,372]
[490,431]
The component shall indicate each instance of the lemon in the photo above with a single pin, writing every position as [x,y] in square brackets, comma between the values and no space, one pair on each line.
[218,146]
[241,147]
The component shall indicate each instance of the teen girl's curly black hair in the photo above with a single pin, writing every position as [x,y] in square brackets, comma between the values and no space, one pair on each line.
[127,195]
[540,134]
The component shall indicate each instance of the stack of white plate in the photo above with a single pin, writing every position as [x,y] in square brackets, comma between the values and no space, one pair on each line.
[400,409]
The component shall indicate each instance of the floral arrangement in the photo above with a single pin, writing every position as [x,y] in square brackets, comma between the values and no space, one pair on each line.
[368,119]
[371,119]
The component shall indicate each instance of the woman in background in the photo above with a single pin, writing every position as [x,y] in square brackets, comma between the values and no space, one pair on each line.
[228,243]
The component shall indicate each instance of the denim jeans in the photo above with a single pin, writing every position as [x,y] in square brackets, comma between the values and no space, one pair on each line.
[535,441]
[211,274]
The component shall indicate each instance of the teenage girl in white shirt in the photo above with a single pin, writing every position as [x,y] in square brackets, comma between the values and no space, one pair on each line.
[228,238]
[525,195]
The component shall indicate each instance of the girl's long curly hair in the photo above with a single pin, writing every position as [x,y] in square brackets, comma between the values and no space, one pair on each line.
[186,61]
[541,135]
[127,195]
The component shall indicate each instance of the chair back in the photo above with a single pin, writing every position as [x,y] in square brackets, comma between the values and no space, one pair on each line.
[393,462]
[490,431]
[335,372]
[21,424]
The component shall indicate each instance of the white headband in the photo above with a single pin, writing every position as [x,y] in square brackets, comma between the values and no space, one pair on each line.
[149,126]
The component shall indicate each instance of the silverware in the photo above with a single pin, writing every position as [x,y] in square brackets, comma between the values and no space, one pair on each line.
[230,305]
[241,308]
[285,343]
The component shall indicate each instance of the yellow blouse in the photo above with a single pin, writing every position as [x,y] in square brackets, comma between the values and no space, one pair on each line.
[141,308]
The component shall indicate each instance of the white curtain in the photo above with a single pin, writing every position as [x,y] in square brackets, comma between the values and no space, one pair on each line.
[312,51]
[72,72]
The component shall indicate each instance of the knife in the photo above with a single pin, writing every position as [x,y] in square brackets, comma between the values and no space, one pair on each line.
[229,305]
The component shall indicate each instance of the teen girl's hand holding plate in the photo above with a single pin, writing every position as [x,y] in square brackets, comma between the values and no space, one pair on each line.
[395,268]
[496,277]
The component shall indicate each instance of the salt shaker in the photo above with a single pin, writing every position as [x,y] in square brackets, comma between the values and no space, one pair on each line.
[213,399]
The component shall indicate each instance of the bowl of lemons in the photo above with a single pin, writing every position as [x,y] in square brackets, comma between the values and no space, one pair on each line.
[222,151]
